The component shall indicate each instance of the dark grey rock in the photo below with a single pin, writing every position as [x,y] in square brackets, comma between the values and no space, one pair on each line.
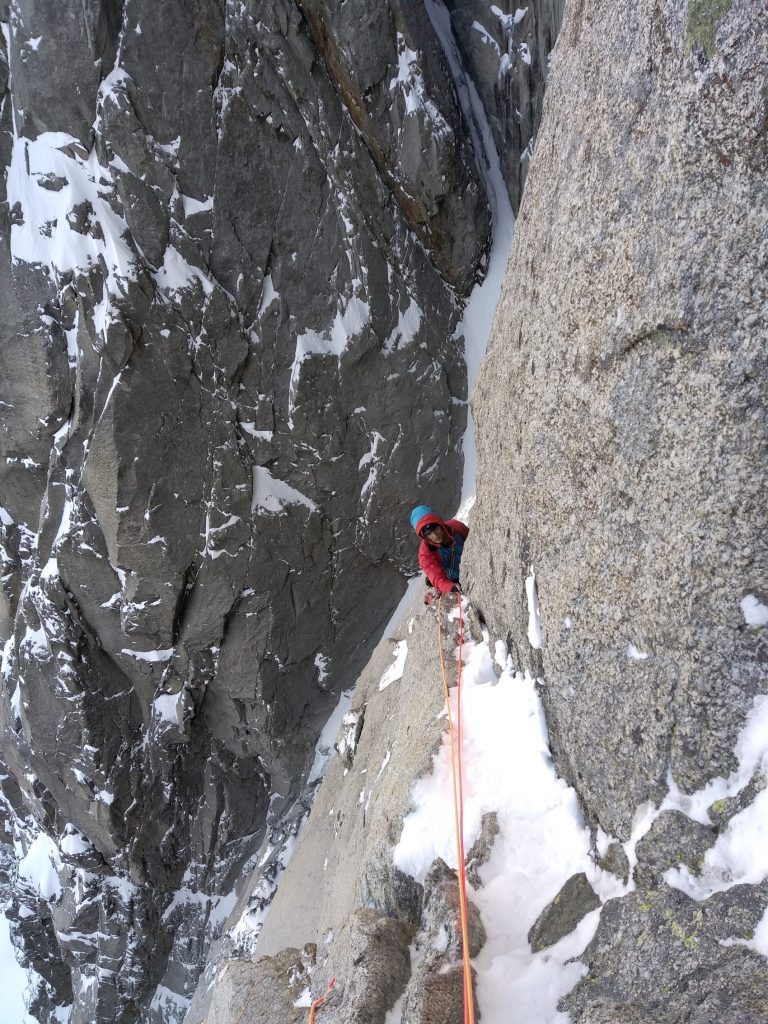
[575,900]
[507,49]
[229,288]
[81,219]
[55,95]
[672,841]
[616,861]
[52,182]
[378,59]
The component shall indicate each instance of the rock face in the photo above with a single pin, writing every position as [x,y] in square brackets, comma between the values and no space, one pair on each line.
[574,901]
[235,243]
[618,538]
[621,411]
[342,894]
[507,49]
[234,247]
[684,965]
[277,995]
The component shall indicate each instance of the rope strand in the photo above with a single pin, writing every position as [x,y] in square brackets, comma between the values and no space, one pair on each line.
[319,1002]
[458,805]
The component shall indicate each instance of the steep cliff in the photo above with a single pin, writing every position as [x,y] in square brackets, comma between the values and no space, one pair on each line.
[237,241]
[235,246]
[618,554]
[621,474]
[621,407]
[506,49]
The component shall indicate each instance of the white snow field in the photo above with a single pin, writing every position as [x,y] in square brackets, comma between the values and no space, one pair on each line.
[13,981]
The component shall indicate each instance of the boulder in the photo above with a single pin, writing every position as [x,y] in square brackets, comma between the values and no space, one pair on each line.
[575,900]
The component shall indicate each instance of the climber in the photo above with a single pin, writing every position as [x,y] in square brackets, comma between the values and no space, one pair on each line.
[442,544]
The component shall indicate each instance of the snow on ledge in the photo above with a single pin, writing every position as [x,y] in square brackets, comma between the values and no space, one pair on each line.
[271,494]
[163,655]
[396,669]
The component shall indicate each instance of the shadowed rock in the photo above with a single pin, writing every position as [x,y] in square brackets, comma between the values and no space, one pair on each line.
[616,861]
[575,900]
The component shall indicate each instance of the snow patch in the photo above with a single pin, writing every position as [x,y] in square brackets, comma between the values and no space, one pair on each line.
[324,745]
[40,866]
[408,326]
[740,854]
[166,707]
[348,324]
[755,613]
[634,654]
[271,494]
[176,274]
[321,664]
[396,669]
[543,839]
[162,655]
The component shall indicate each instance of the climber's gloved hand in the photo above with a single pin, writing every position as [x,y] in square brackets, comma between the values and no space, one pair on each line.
[456,589]
[429,597]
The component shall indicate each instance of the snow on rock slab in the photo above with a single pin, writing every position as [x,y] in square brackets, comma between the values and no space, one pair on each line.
[542,840]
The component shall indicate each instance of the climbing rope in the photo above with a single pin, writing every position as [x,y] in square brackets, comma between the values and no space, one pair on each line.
[458,803]
[319,1002]
[247,1000]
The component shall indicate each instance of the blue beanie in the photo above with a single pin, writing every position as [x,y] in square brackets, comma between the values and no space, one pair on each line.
[419,513]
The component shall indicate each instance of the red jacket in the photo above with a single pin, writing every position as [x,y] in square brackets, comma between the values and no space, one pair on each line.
[441,562]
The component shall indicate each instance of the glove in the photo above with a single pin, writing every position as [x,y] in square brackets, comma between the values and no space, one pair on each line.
[429,598]
[456,589]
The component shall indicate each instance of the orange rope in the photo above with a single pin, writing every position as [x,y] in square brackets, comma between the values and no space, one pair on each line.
[319,1002]
[243,1008]
[458,806]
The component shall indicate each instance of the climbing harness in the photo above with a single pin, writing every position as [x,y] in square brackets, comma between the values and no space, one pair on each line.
[458,803]
[319,1002]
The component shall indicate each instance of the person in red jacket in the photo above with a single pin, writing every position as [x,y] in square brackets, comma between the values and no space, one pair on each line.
[442,544]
